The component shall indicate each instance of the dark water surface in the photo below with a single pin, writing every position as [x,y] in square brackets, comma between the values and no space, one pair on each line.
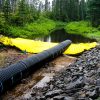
[61,35]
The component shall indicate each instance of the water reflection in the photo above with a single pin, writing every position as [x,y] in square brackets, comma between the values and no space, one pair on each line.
[61,35]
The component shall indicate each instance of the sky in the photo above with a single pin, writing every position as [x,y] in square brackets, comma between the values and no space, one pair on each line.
[50,0]
[44,0]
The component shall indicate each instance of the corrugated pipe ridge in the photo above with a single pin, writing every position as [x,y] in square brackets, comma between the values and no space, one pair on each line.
[15,73]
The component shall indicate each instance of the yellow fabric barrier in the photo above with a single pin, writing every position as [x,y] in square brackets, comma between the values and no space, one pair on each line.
[38,46]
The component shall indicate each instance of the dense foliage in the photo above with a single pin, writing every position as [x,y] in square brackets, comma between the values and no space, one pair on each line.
[69,10]
[94,10]
[23,17]
[39,28]
[83,28]
[76,10]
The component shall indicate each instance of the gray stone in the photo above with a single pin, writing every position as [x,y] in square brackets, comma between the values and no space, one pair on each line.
[53,93]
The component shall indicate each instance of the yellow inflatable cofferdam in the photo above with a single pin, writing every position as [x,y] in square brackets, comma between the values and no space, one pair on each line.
[38,46]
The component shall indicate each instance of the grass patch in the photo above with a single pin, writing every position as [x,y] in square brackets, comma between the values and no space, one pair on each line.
[41,27]
[83,28]
[60,25]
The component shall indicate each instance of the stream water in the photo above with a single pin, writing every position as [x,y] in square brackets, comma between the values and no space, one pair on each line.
[60,35]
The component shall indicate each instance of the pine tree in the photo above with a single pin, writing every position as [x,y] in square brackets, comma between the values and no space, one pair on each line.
[14,5]
[46,5]
[7,10]
[2,5]
[34,9]
[23,12]
[94,11]
[66,10]
[82,10]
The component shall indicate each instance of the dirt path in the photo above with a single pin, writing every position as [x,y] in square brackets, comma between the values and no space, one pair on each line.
[9,56]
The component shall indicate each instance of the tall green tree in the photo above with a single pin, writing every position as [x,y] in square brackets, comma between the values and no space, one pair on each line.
[46,5]
[14,5]
[7,10]
[2,2]
[94,11]
[23,12]
[0,6]
[82,10]
[66,10]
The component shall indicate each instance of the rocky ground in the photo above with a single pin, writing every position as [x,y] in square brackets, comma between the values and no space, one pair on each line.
[79,81]
[10,55]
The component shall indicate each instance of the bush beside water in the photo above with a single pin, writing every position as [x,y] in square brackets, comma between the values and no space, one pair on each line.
[83,28]
[44,26]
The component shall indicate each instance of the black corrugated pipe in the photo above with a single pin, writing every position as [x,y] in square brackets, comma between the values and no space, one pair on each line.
[14,73]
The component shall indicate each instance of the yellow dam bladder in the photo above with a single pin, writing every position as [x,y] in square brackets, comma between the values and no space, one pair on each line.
[32,46]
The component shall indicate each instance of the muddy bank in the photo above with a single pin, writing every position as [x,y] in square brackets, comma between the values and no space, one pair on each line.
[79,81]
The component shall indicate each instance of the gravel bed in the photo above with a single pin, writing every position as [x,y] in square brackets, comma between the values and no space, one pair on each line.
[79,81]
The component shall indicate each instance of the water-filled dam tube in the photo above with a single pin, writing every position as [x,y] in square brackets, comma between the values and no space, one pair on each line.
[14,73]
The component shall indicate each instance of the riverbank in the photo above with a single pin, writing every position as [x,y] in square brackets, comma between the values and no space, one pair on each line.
[44,27]
[39,28]
[84,29]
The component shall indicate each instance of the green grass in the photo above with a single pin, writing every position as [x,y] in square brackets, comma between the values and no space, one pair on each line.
[41,27]
[95,35]
[44,26]
[60,25]
[83,28]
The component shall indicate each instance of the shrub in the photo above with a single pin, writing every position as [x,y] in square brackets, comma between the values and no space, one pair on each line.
[4,28]
[79,27]
[82,28]
[40,27]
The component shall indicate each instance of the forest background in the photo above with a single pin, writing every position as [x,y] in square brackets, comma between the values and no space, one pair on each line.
[35,18]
